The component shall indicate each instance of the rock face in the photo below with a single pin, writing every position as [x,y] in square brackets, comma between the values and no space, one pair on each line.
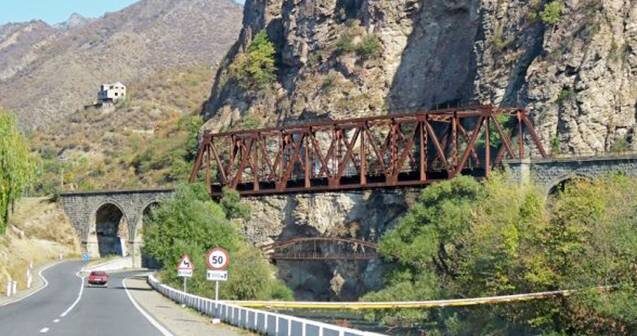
[572,63]
[575,70]
[362,215]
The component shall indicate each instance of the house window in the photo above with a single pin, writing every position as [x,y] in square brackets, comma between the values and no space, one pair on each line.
[115,94]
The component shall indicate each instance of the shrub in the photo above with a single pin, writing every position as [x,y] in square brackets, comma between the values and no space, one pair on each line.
[345,43]
[354,39]
[552,12]
[565,95]
[248,122]
[555,145]
[369,47]
[620,146]
[255,69]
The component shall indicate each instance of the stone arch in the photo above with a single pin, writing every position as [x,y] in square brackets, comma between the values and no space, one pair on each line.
[110,228]
[558,184]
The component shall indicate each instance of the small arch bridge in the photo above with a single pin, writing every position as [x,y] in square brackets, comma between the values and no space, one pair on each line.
[110,222]
[321,248]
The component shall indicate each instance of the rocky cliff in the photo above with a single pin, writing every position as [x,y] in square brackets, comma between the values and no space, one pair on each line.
[573,63]
[363,215]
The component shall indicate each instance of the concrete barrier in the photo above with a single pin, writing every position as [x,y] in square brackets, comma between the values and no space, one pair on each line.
[263,322]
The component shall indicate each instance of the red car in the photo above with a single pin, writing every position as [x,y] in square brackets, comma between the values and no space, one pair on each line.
[98,278]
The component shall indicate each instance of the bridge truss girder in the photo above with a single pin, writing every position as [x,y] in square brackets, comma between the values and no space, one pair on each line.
[384,151]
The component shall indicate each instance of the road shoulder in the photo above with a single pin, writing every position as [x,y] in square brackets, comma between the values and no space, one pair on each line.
[38,284]
[180,321]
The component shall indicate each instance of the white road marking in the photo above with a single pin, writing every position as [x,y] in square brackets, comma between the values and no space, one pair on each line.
[44,330]
[150,319]
[79,296]
[46,283]
[56,320]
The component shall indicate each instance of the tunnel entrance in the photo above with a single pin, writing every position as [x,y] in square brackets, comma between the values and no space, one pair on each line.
[111,228]
[148,261]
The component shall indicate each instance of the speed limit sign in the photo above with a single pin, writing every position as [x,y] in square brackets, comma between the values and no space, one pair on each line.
[218,259]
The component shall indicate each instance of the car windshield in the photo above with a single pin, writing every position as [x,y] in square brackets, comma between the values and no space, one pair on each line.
[98,273]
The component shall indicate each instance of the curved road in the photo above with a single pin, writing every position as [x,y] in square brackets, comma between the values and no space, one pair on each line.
[59,309]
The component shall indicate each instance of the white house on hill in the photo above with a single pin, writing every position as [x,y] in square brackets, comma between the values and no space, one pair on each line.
[111,92]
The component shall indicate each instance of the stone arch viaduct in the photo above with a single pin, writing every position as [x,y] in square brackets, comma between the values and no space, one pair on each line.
[110,222]
[549,173]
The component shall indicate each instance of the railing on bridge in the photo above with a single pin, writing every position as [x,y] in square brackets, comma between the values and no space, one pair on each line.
[321,248]
[385,151]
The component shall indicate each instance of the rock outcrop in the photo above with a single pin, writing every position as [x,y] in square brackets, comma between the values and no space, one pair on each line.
[573,67]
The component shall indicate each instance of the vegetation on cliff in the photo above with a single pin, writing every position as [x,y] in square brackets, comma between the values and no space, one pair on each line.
[255,69]
[467,239]
[16,166]
[190,223]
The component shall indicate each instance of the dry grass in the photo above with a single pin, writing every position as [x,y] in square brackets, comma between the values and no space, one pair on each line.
[38,232]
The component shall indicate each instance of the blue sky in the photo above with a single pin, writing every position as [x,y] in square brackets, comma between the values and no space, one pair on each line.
[56,11]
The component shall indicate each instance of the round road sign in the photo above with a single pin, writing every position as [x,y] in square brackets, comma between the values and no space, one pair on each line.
[218,259]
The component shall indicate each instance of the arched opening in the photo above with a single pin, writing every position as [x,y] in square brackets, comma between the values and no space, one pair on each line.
[111,228]
[147,260]
[562,184]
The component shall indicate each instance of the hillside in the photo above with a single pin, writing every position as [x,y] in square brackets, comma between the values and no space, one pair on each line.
[572,63]
[39,232]
[141,142]
[47,73]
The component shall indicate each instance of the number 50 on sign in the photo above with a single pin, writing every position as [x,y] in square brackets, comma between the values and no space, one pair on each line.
[218,259]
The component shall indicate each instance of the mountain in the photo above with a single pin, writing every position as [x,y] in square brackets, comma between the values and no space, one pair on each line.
[20,44]
[572,63]
[74,21]
[47,73]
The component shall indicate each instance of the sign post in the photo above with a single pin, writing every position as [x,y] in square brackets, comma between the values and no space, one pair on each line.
[185,269]
[218,261]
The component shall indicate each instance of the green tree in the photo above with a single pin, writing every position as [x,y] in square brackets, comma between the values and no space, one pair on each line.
[16,166]
[255,69]
[230,201]
[469,239]
[552,12]
[191,223]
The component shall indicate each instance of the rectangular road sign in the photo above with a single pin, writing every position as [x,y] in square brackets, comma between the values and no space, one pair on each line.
[184,272]
[217,275]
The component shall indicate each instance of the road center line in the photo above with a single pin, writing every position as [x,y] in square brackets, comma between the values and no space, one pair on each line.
[150,319]
[79,296]
[44,330]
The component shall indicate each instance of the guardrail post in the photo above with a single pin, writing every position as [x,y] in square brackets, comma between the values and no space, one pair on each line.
[9,288]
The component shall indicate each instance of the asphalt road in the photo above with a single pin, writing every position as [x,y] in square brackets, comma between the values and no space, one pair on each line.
[59,309]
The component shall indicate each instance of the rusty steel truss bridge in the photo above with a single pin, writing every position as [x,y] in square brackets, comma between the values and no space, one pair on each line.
[375,152]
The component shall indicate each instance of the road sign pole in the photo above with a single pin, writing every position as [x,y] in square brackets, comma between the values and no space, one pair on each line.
[185,285]
[216,295]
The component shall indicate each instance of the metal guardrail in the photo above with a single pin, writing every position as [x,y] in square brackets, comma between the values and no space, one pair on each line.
[263,322]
